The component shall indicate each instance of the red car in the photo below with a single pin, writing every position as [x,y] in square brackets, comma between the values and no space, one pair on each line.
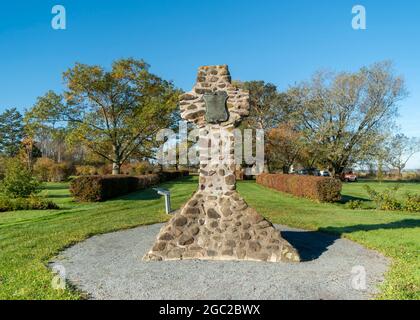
[349,177]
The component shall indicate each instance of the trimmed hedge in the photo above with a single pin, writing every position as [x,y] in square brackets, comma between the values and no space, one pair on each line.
[171,175]
[100,188]
[323,189]
[31,203]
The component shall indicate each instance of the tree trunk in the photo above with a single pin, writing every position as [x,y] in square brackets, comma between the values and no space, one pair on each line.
[116,168]
[379,175]
[338,169]
[266,168]
[116,165]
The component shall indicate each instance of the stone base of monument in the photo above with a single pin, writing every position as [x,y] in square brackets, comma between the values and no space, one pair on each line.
[220,227]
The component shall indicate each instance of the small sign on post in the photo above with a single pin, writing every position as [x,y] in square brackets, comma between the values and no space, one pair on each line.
[167,195]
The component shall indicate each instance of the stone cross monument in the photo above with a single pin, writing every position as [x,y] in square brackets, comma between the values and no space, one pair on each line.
[216,223]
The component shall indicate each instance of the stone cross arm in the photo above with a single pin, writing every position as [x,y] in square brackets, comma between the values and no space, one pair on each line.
[214,80]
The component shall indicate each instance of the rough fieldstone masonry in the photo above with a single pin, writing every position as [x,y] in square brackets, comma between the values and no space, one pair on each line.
[216,223]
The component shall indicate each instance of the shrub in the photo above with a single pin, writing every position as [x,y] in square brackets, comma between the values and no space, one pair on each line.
[5,204]
[129,169]
[137,168]
[18,181]
[86,170]
[101,188]
[60,172]
[31,203]
[354,204]
[2,168]
[142,168]
[322,189]
[385,200]
[412,202]
[104,170]
[42,168]
[38,203]
[49,171]
[171,175]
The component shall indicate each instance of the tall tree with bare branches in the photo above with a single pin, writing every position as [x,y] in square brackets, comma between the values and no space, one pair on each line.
[399,150]
[345,115]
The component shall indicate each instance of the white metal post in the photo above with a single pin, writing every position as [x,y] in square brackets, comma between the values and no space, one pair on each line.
[167,196]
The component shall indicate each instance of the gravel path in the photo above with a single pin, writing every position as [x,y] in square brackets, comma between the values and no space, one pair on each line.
[109,266]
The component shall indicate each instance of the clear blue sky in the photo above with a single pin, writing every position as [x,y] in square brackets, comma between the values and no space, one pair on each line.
[277,41]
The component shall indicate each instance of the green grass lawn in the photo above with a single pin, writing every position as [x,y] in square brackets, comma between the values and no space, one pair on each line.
[356,191]
[29,239]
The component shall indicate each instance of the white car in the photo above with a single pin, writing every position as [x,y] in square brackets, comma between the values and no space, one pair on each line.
[325,173]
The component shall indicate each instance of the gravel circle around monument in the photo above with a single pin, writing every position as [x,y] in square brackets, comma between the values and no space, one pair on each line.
[110,266]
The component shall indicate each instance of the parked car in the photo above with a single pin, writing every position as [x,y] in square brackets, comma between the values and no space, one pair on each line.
[349,177]
[309,172]
[325,173]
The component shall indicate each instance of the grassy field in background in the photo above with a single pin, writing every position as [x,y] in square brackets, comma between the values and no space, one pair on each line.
[29,239]
[356,191]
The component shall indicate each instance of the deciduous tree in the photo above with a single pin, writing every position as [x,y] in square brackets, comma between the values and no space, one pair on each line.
[399,151]
[285,146]
[114,113]
[268,108]
[344,115]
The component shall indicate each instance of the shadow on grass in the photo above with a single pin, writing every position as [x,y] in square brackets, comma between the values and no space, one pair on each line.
[150,194]
[346,198]
[146,194]
[58,196]
[312,244]
[60,186]
[402,224]
[183,180]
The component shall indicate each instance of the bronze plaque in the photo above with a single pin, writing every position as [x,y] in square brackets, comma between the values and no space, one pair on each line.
[216,110]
